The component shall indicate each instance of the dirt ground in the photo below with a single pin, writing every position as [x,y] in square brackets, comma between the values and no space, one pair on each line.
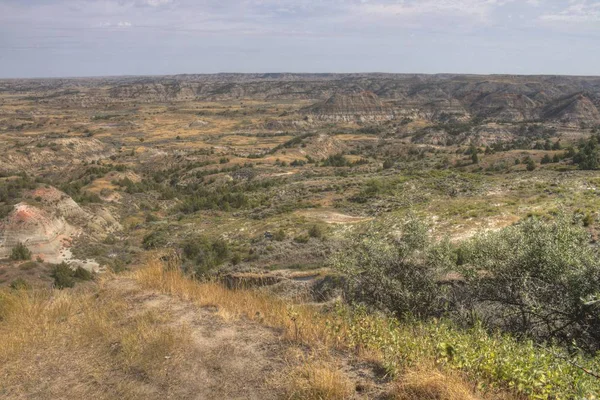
[241,359]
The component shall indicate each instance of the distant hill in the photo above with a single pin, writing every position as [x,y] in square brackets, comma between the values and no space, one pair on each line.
[565,99]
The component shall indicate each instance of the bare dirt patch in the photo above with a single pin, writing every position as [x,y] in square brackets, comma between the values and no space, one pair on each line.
[331,217]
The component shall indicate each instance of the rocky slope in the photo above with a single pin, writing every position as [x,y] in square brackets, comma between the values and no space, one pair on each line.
[48,221]
[52,155]
[575,109]
[363,106]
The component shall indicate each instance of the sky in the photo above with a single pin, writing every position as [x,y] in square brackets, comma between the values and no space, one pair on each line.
[68,38]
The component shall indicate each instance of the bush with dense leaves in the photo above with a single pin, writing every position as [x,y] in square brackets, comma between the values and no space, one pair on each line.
[20,252]
[205,253]
[63,276]
[66,277]
[537,279]
[396,274]
[154,240]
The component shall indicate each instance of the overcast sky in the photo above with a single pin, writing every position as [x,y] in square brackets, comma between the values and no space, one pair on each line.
[48,38]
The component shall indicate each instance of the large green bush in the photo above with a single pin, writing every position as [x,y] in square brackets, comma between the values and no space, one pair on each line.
[66,277]
[63,276]
[205,253]
[20,252]
[396,274]
[537,279]
[521,311]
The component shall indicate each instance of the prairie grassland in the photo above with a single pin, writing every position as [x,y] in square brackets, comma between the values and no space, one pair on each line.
[104,342]
[88,344]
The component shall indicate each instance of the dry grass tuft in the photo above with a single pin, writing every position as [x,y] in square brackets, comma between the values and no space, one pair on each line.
[431,385]
[317,380]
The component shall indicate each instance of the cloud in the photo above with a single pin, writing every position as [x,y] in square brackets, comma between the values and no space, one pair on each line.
[119,24]
[310,35]
[157,3]
[474,9]
[576,12]
[534,3]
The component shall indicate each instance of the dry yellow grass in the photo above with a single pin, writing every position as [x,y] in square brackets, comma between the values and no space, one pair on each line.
[430,384]
[73,345]
[317,380]
[317,377]
[299,322]
[104,342]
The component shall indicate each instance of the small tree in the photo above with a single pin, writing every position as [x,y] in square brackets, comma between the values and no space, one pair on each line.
[387,164]
[315,231]
[20,253]
[588,156]
[546,159]
[530,164]
[63,276]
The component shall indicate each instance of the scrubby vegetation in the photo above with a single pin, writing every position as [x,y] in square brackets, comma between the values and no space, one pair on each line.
[20,252]
[536,280]
[492,360]
[204,254]
[66,277]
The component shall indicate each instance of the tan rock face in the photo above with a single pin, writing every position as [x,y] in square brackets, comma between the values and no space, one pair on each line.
[363,106]
[323,146]
[574,110]
[49,225]
[43,233]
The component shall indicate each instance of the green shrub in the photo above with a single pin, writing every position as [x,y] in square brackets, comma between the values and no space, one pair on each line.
[20,252]
[530,164]
[315,231]
[205,253]
[236,259]
[82,274]
[20,284]
[397,276]
[279,235]
[588,156]
[154,240]
[336,160]
[536,279]
[63,276]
